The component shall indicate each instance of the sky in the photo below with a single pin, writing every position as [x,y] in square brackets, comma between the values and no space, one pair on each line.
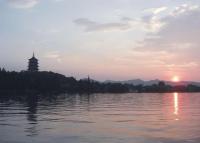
[106,39]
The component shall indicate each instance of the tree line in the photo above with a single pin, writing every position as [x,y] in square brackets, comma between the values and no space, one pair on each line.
[47,82]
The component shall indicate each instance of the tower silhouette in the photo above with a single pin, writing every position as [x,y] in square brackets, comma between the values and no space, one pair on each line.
[33,64]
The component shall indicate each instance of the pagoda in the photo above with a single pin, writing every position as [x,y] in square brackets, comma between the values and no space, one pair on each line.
[33,64]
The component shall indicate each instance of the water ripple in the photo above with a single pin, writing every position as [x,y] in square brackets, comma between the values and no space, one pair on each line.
[130,118]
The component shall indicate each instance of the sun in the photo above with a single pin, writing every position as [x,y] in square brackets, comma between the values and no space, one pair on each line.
[175,79]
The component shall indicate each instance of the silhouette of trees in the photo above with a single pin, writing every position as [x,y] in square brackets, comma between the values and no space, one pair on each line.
[193,88]
[35,81]
[47,82]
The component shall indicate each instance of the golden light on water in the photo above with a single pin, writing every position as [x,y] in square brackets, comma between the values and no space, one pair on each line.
[176,105]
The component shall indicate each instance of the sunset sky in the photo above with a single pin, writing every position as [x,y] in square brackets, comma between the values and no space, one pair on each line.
[106,39]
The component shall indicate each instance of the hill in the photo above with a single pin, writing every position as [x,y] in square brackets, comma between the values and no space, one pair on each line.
[151,82]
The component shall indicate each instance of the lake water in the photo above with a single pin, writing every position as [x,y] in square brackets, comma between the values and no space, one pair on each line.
[101,118]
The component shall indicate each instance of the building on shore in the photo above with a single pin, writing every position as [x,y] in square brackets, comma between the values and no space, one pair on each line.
[33,64]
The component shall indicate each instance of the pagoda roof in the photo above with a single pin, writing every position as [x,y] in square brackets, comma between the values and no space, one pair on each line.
[33,58]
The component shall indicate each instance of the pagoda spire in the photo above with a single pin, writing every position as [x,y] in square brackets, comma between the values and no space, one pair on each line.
[33,64]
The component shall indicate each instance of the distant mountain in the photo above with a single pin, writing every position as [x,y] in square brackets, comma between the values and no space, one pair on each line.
[151,82]
[135,82]
[182,83]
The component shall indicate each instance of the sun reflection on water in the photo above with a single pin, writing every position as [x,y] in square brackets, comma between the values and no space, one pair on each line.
[176,108]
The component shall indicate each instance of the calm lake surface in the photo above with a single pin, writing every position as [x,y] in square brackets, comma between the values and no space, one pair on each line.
[101,118]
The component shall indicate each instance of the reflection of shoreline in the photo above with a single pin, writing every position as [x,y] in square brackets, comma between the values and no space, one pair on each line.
[176,108]
[32,103]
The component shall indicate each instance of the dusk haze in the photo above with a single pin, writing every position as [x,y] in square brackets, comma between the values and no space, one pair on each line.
[100,71]
[115,39]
